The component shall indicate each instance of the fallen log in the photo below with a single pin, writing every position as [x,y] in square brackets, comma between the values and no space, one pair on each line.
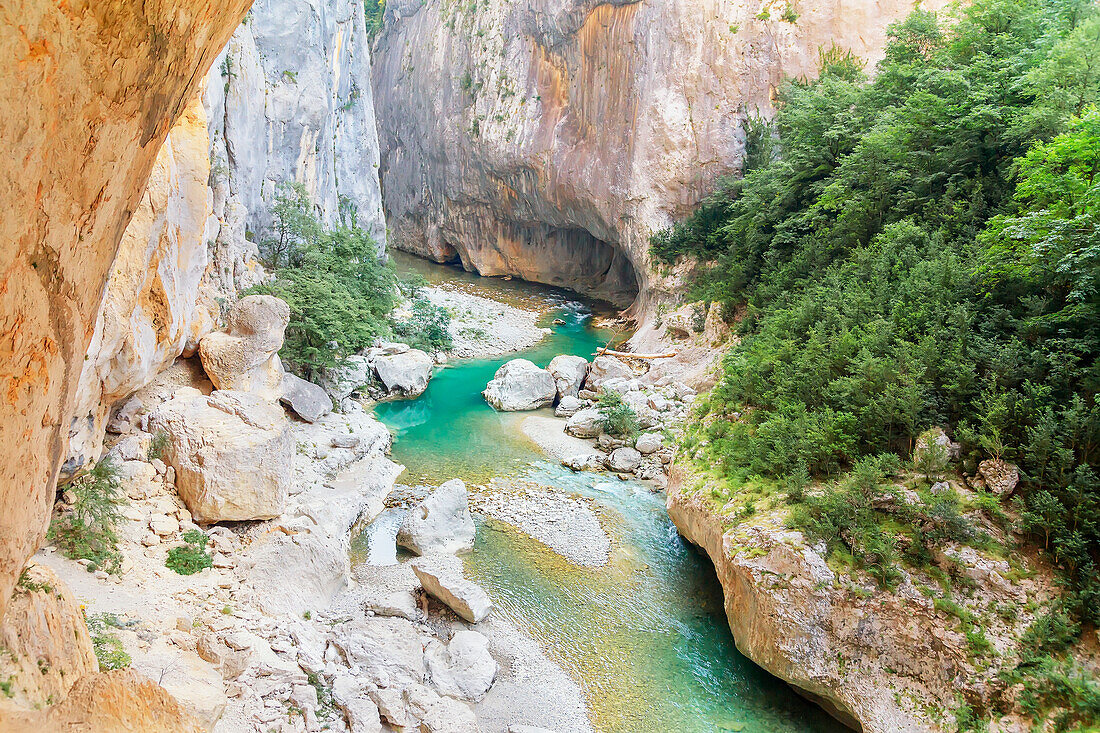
[627,355]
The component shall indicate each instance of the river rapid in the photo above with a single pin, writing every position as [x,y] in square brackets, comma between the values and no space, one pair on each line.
[645,635]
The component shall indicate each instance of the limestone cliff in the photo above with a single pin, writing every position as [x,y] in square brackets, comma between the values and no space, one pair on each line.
[888,661]
[548,138]
[290,99]
[90,91]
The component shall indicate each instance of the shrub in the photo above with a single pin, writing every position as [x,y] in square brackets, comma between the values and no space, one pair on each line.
[618,417]
[89,530]
[157,445]
[340,294]
[107,646]
[427,328]
[191,557]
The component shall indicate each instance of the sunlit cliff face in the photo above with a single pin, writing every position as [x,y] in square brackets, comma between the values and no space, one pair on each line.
[89,92]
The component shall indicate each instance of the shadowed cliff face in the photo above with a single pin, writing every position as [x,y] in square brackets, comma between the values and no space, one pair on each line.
[89,90]
[549,138]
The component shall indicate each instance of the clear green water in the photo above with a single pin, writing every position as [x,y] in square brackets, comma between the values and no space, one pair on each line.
[645,636]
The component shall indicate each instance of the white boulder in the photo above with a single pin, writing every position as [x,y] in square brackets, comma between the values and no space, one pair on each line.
[568,407]
[587,423]
[232,453]
[520,385]
[306,399]
[441,524]
[569,372]
[442,577]
[463,667]
[624,460]
[649,443]
[404,372]
[246,358]
[604,368]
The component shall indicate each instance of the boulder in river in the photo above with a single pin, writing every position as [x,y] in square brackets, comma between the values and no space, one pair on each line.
[442,577]
[520,385]
[569,372]
[587,423]
[463,667]
[441,524]
[405,373]
[306,399]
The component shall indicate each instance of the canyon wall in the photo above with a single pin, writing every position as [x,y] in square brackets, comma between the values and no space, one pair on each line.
[548,138]
[89,90]
[287,100]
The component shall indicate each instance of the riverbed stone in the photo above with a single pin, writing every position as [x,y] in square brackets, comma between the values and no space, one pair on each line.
[604,368]
[442,576]
[586,423]
[569,372]
[649,443]
[568,407]
[463,667]
[441,524]
[624,460]
[406,372]
[520,385]
[306,399]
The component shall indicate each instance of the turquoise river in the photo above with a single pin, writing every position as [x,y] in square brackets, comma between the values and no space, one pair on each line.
[645,635]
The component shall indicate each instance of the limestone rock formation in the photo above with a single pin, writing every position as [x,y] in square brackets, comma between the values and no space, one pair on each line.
[290,100]
[586,423]
[520,385]
[86,112]
[406,373]
[442,576]
[245,358]
[463,667]
[308,401]
[569,372]
[441,524]
[624,460]
[45,640]
[548,138]
[231,451]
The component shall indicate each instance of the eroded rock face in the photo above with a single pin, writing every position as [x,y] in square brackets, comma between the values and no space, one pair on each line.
[290,100]
[232,453]
[246,358]
[90,93]
[548,138]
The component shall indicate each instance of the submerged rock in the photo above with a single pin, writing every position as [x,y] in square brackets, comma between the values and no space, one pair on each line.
[520,385]
[308,401]
[232,453]
[441,524]
[569,372]
[442,577]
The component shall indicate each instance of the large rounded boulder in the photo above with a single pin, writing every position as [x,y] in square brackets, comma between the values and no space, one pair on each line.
[569,372]
[245,358]
[520,385]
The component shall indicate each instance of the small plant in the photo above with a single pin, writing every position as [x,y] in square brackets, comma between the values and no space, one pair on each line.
[107,646]
[227,610]
[192,557]
[7,685]
[326,704]
[618,417]
[89,529]
[307,615]
[157,445]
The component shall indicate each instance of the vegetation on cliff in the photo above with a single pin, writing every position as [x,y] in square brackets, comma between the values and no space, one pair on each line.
[914,250]
[341,295]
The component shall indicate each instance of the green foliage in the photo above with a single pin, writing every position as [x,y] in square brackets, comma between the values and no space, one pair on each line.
[374,11]
[326,703]
[190,558]
[922,249]
[339,294]
[428,326]
[89,530]
[157,445]
[618,417]
[107,646]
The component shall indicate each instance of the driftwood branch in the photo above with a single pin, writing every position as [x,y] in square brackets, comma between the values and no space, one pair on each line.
[628,355]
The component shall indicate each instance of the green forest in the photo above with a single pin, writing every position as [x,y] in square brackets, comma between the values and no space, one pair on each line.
[918,245]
